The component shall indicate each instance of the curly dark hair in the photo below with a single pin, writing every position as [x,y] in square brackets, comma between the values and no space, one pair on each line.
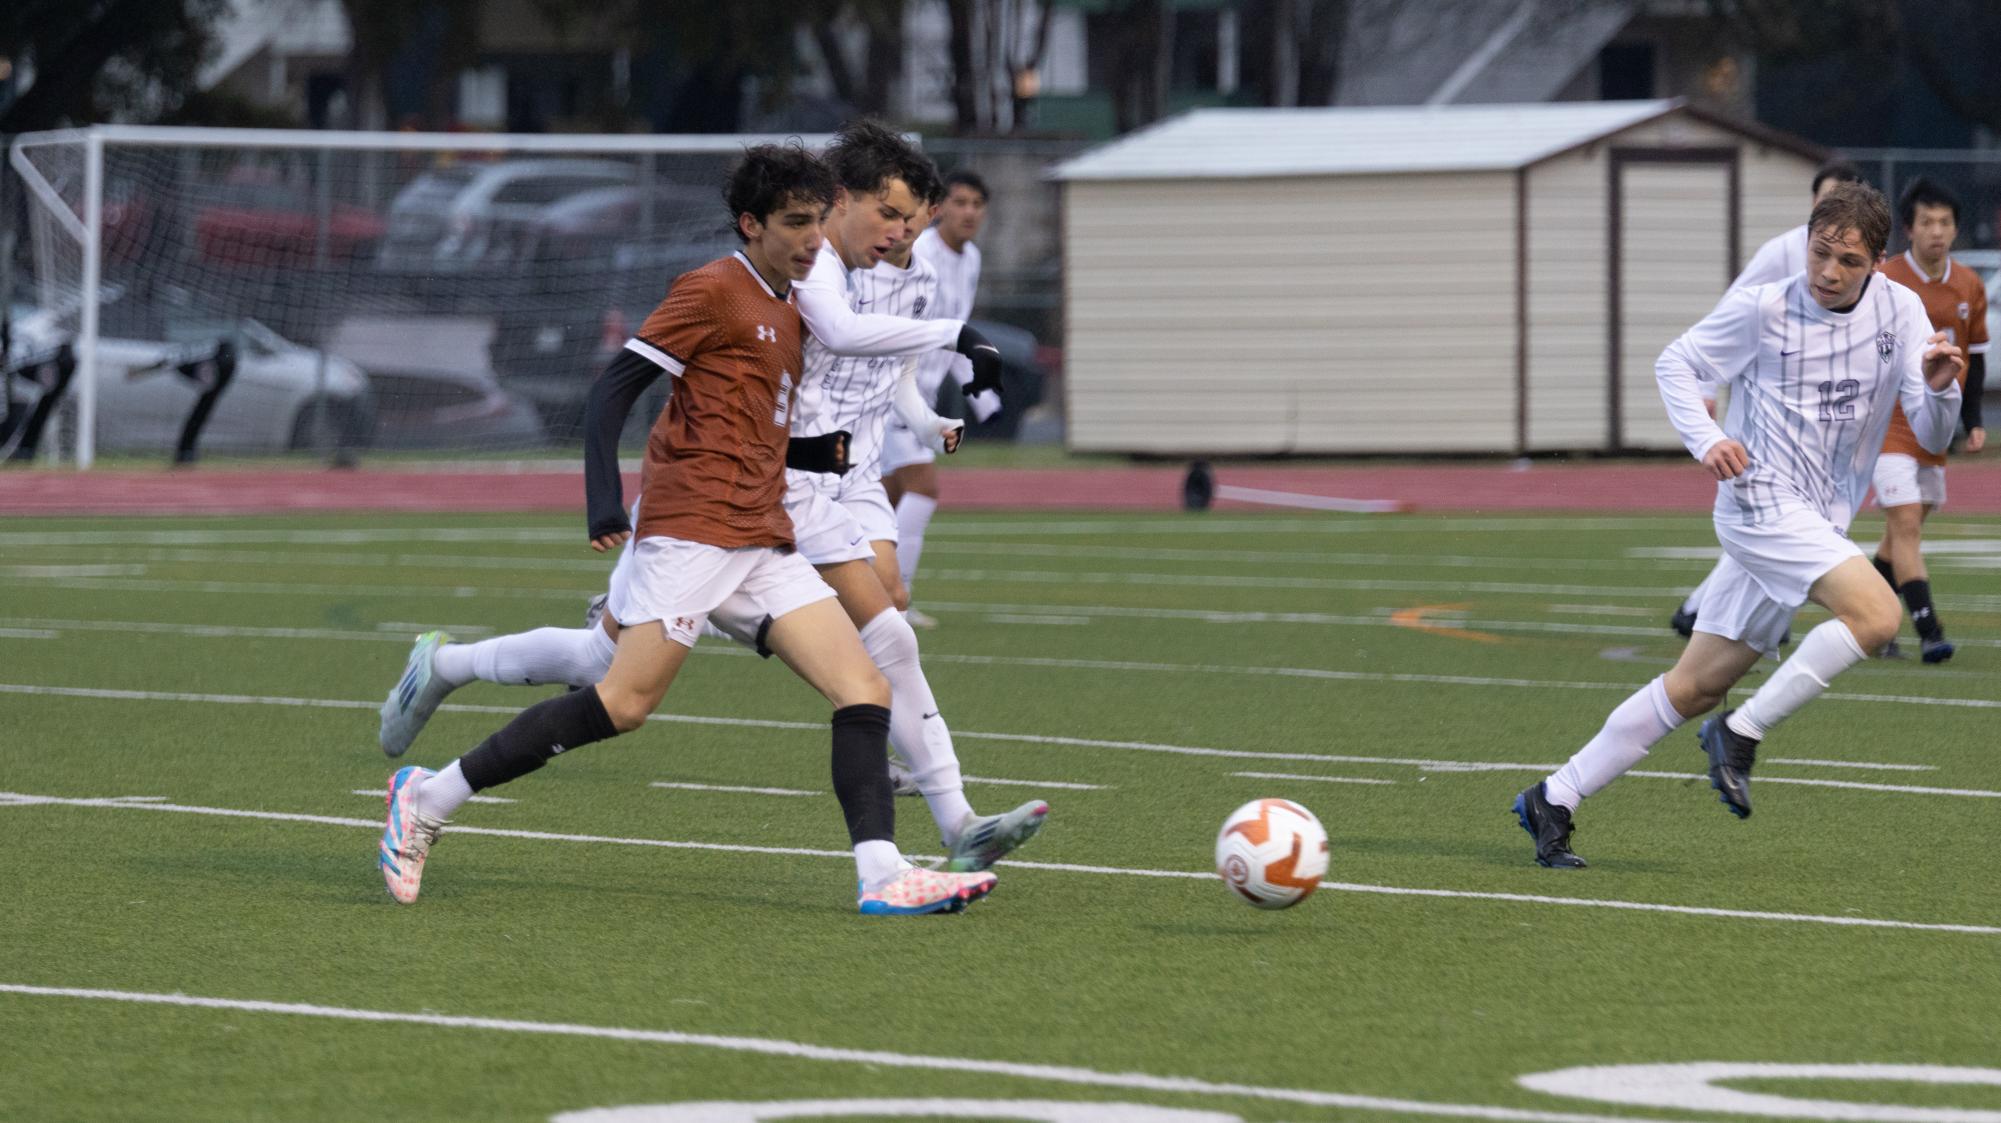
[1840,171]
[866,154]
[1858,207]
[771,176]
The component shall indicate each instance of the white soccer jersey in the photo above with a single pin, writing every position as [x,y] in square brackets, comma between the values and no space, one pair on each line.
[958,280]
[856,393]
[827,301]
[1776,260]
[1811,392]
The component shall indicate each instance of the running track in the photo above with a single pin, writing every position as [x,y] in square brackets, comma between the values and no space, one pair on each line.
[1666,486]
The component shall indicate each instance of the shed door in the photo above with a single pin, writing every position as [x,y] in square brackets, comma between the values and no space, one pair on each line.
[1674,240]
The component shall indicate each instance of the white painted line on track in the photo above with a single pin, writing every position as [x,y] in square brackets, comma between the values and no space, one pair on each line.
[23,799]
[731,788]
[1310,502]
[819,727]
[777,1047]
[1314,779]
[1065,785]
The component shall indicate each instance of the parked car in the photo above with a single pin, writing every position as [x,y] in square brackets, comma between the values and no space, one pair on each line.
[475,216]
[432,386]
[279,393]
[274,225]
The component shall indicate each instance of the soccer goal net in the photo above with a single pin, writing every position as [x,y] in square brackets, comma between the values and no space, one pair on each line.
[184,293]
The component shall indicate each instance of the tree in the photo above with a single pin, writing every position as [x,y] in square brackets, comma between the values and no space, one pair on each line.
[96,60]
[1949,43]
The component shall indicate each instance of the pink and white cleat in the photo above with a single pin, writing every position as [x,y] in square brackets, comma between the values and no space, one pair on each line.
[408,836]
[913,892]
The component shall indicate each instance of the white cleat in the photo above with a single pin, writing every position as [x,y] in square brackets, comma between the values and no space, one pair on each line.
[415,697]
[920,619]
[407,836]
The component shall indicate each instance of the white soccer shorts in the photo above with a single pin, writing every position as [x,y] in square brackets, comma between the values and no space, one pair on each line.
[901,448]
[1902,481]
[680,583]
[1767,569]
[827,532]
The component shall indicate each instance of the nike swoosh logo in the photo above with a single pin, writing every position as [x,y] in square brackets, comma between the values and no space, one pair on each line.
[1791,353]
[929,716]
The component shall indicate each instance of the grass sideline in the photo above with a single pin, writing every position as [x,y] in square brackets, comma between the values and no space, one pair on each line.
[187,684]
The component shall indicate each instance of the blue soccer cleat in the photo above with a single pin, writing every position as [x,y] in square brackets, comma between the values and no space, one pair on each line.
[415,698]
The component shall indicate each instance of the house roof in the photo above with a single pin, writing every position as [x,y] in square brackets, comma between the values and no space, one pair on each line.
[1376,140]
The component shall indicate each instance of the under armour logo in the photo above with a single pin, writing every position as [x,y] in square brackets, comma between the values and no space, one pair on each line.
[767,333]
[555,750]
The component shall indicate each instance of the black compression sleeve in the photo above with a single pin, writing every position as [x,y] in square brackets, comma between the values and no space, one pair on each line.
[1976,384]
[625,378]
[827,452]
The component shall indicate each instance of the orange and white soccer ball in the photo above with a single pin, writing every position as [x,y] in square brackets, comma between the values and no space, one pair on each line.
[1272,853]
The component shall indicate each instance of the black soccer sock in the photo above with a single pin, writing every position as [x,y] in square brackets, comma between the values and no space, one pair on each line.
[861,773]
[1918,598]
[567,721]
[1883,567]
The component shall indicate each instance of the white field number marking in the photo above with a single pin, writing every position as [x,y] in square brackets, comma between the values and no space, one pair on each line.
[1693,1087]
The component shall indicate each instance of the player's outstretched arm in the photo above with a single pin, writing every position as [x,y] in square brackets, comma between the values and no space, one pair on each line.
[939,434]
[624,379]
[823,303]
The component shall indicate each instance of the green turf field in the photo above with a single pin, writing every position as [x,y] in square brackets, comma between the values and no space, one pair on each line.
[195,927]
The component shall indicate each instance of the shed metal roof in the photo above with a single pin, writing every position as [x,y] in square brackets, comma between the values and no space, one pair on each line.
[1375,140]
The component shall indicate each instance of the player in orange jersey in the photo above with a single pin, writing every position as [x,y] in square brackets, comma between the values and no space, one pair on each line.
[1910,482]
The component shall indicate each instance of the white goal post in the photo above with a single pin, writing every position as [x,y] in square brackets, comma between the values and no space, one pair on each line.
[442,291]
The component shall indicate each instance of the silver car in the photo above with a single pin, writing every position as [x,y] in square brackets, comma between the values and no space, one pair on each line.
[480,216]
[279,393]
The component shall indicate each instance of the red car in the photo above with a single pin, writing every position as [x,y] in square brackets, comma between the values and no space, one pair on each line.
[269,225]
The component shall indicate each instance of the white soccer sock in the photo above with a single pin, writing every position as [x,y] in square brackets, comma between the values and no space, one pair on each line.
[913,515]
[441,794]
[1634,726]
[1826,651]
[564,656]
[877,861]
[916,731]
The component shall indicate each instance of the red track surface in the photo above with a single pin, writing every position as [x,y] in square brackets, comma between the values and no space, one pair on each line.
[1974,488]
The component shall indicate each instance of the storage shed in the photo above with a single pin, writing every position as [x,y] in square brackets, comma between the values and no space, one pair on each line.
[1459,279]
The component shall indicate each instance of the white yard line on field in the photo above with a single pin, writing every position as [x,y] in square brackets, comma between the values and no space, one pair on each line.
[1314,779]
[24,800]
[869,1058]
[820,727]
[739,789]
[1062,785]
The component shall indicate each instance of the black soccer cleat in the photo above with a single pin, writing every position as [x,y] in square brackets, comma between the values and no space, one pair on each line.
[1683,622]
[1549,825]
[1937,650]
[1731,755]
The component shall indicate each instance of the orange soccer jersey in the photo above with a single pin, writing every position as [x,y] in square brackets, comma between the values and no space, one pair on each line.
[715,460]
[1957,305]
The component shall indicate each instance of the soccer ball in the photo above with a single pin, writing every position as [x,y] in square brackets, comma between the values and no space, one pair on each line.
[1272,853]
